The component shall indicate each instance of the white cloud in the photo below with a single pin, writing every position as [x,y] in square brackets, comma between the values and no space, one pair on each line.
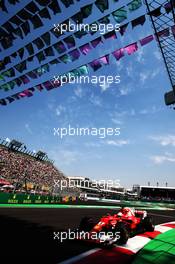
[69,156]
[118,64]
[164,140]
[64,157]
[59,110]
[144,76]
[116,121]
[95,100]
[124,90]
[129,70]
[117,143]
[130,112]
[51,104]
[159,159]
[27,127]
[139,56]
[118,117]
[78,92]
[105,86]
[155,73]
[92,144]
[150,110]
[157,55]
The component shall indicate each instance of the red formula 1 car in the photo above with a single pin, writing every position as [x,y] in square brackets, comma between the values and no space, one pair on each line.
[115,228]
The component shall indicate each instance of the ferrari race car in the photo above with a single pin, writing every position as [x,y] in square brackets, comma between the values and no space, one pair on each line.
[115,228]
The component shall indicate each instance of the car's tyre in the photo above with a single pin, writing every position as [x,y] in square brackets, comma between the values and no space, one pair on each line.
[148,224]
[122,232]
[86,224]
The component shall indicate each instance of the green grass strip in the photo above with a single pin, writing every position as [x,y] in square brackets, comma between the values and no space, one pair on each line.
[72,206]
[161,250]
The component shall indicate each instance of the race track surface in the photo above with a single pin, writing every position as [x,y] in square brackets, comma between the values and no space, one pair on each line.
[27,234]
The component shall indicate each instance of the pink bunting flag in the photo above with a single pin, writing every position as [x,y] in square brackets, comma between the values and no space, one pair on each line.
[130,49]
[25,93]
[110,35]
[85,49]
[95,64]
[39,87]
[96,42]
[48,85]
[118,54]
[146,40]
[105,59]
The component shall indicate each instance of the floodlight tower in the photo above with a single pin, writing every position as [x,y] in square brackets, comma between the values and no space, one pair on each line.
[162,16]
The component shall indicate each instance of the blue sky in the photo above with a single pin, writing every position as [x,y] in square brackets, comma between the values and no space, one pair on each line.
[145,149]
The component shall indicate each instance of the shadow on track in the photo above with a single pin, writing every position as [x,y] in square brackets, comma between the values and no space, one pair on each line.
[23,242]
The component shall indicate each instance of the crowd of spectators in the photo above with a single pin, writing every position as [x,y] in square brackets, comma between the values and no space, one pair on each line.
[23,170]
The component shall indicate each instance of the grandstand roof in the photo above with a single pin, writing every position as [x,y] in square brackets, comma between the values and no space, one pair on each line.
[158,187]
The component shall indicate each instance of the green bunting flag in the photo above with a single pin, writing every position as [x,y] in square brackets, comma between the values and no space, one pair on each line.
[102,5]
[29,48]
[120,14]
[7,86]
[40,56]
[65,58]
[21,66]
[134,5]
[1,78]
[86,10]
[9,73]
[83,70]
[74,72]
[105,20]
[80,34]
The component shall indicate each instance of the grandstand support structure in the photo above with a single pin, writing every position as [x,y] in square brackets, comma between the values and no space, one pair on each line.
[166,43]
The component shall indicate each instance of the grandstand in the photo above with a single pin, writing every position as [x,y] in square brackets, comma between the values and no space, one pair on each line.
[23,171]
[156,193]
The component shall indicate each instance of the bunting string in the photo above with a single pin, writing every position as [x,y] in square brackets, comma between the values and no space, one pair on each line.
[84,12]
[66,3]
[45,39]
[60,48]
[66,58]
[84,69]
[23,28]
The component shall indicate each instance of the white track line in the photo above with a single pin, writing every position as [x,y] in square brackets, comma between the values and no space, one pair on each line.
[173,223]
[162,229]
[136,243]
